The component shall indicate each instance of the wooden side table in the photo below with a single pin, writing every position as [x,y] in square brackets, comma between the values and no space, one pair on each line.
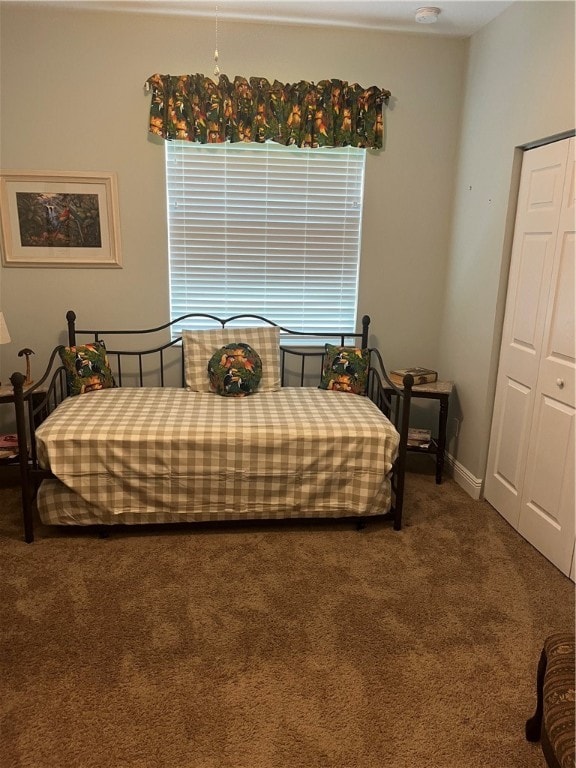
[441,391]
[7,392]
[7,396]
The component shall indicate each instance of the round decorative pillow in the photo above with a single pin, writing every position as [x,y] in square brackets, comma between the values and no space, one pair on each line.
[235,370]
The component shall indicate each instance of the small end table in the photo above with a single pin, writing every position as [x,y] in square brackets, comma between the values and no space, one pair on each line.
[441,391]
[7,392]
[7,396]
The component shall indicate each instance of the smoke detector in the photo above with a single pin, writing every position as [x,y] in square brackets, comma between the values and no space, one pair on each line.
[427,15]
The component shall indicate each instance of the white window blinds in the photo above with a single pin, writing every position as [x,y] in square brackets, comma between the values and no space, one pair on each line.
[265,229]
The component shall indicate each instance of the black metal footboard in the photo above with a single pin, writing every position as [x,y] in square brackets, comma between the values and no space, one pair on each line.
[32,406]
[378,381]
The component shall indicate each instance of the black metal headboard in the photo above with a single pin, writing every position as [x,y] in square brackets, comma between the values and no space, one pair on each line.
[157,355]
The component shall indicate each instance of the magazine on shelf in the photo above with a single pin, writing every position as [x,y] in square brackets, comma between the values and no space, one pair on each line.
[8,447]
[8,442]
[419,438]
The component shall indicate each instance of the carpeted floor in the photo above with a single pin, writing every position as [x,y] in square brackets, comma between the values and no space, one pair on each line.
[281,646]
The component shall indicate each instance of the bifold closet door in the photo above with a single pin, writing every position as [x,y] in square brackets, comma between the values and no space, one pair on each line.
[530,472]
[547,508]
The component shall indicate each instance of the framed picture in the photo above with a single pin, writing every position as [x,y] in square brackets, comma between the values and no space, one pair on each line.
[54,219]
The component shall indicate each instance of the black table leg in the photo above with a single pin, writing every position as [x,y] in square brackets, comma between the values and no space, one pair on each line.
[442,422]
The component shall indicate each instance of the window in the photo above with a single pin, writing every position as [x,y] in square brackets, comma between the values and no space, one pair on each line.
[265,229]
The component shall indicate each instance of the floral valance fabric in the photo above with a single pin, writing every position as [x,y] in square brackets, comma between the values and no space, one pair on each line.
[331,113]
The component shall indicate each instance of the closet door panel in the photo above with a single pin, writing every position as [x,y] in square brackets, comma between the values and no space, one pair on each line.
[525,334]
[547,515]
[508,465]
[539,205]
[558,366]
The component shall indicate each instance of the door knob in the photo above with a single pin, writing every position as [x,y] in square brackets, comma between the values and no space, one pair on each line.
[560,383]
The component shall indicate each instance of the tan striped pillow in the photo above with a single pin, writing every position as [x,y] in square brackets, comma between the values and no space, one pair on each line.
[199,346]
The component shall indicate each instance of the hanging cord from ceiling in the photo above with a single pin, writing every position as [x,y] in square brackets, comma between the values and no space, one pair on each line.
[216,54]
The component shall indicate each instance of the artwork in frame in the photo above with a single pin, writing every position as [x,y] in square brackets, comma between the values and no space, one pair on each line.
[59,219]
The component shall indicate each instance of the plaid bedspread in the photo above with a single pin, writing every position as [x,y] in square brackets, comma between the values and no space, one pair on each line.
[160,454]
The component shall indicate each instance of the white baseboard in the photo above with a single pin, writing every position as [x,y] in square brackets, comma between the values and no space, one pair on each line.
[465,479]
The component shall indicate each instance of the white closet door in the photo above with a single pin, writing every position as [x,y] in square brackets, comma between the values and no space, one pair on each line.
[537,218]
[547,507]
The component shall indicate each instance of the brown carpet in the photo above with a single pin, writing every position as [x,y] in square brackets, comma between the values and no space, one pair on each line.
[291,646]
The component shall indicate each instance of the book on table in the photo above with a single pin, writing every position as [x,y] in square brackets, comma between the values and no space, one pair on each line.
[421,375]
[419,438]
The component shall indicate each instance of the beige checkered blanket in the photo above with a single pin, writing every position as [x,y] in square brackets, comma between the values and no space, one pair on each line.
[157,455]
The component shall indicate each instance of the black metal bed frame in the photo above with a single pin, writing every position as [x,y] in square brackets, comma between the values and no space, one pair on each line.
[35,403]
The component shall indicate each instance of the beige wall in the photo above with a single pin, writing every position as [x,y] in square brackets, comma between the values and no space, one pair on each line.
[519,89]
[72,99]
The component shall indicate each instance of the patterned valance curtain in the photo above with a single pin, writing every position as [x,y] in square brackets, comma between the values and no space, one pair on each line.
[330,113]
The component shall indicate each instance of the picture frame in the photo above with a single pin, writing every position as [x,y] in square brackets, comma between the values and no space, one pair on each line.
[59,219]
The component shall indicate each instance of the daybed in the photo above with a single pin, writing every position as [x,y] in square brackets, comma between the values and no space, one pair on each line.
[129,436]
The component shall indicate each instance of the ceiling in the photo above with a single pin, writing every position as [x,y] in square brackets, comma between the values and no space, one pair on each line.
[458,18]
